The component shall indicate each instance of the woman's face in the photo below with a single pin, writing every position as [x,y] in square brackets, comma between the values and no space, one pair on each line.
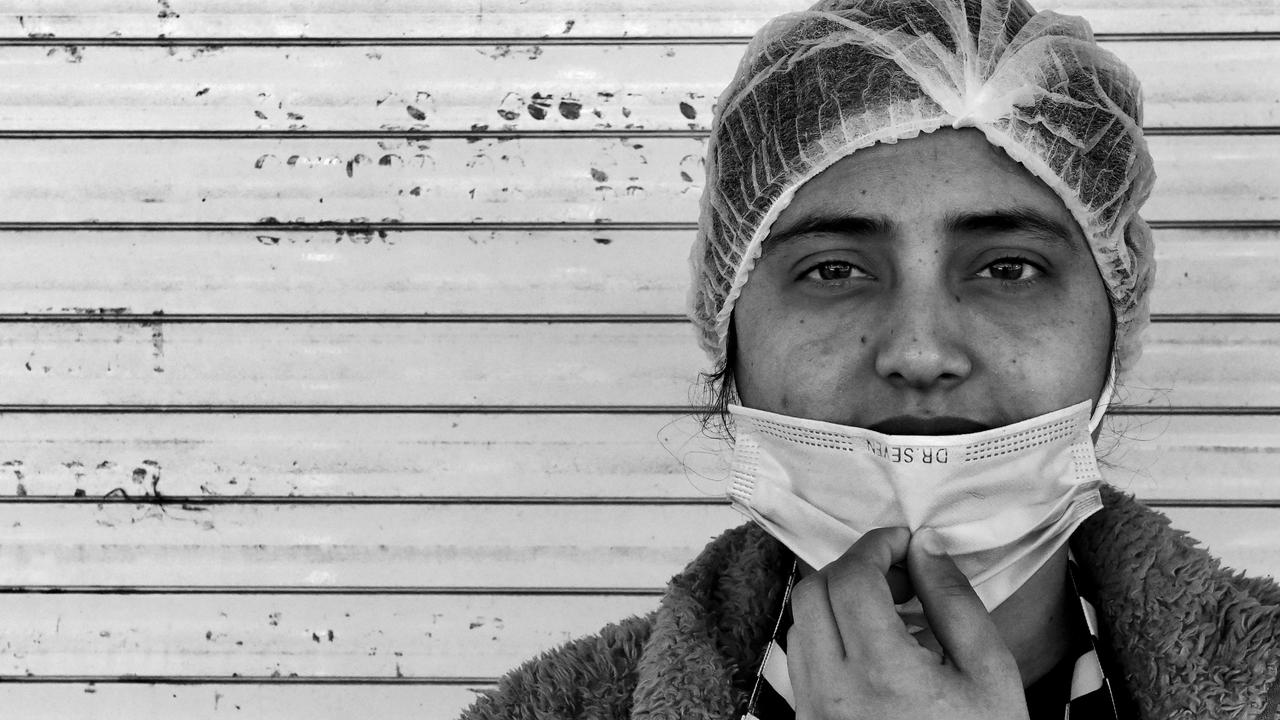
[932,286]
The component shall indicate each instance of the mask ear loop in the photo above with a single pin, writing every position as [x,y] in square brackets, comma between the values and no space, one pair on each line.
[1104,400]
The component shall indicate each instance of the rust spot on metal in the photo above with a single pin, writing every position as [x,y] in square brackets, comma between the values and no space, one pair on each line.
[74,52]
[598,175]
[539,105]
[97,310]
[570,109]
[688,110]
[415,113]
[510,108]
[157,345]
[351,164]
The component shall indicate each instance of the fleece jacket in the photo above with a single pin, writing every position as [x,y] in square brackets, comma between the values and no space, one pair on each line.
[1190,638]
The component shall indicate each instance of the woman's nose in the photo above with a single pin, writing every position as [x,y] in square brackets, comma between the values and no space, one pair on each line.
[922,344]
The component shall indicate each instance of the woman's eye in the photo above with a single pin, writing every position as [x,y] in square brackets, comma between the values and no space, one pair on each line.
[834,270]
[1010,269]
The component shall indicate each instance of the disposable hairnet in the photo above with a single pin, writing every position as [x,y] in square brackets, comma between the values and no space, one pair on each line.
[815,86]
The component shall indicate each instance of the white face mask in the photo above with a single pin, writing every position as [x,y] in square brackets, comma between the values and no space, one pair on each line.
[1003,501]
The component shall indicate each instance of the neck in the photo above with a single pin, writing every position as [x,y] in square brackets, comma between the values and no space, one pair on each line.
[1035,621]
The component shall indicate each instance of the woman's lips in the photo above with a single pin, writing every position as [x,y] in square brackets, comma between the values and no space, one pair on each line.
[907,425]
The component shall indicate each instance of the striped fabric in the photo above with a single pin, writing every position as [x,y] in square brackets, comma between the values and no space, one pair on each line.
[1080,679]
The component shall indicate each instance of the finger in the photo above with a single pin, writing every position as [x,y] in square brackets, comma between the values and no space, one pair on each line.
[898,577]
[801,672]
[814,637]
[957,617]
[862,597]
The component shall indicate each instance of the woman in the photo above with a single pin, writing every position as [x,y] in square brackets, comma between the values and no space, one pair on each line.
[920,269]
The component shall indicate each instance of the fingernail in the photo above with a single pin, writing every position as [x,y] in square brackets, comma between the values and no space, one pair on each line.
[929,541]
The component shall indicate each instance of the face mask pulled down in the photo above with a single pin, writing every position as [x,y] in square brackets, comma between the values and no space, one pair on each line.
[1002,501]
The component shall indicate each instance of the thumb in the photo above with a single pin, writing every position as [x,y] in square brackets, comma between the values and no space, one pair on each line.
[956,615]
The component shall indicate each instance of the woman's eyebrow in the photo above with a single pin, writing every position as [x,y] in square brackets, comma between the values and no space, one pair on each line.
[1014,220]
[847,224]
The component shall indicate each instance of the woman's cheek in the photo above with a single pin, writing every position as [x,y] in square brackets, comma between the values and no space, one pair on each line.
[814,373]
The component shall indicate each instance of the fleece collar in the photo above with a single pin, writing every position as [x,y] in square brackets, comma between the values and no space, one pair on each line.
[1191,639]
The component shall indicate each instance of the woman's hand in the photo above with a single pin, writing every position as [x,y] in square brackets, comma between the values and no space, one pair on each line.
[850,655]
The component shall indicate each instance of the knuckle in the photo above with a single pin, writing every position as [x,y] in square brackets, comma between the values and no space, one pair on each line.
[880,678]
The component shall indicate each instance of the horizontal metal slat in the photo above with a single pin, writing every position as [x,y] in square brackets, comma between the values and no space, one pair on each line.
[532,89]
[1222,178]
[277,700]
[423,546]
[320,636]
[551,19]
